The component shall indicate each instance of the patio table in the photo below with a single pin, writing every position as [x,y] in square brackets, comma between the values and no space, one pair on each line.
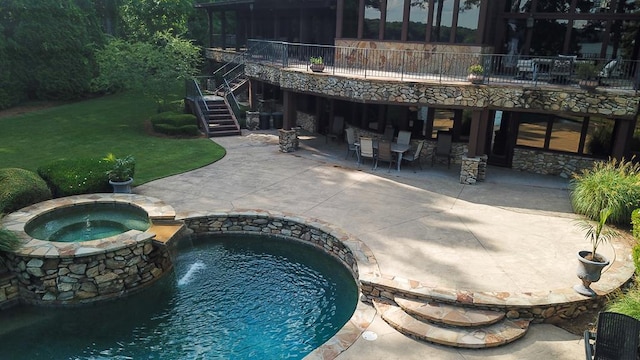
[395,148]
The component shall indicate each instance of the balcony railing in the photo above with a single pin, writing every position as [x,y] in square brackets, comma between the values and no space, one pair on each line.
[413,65]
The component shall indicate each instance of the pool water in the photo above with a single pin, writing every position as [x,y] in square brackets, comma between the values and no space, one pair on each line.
[249,297]
[87,222]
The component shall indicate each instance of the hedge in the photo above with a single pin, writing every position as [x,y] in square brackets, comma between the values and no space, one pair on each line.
[76,176]
[20,188]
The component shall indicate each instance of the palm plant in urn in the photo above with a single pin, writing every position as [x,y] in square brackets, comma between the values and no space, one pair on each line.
[121,172]
[476,74]
[590,263]
[317,64]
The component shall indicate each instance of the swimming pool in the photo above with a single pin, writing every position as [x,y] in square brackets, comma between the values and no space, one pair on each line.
[232,297]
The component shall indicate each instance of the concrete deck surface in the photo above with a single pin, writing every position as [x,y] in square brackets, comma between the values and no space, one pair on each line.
[515,232]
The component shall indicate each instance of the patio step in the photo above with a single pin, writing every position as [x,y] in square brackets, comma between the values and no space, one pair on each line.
[473,337]
[435,312]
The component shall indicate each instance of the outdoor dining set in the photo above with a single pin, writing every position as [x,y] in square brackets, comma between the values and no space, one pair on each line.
[391,149]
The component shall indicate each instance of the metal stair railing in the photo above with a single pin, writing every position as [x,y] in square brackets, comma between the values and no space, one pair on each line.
[232,103]
[195,94]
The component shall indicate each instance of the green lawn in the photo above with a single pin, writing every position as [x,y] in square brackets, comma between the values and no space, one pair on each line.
[96,127]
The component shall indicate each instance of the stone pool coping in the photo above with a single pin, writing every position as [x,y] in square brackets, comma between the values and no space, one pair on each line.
[156,209]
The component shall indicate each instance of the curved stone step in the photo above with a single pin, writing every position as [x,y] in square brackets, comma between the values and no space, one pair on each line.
[448,314]
[494,335]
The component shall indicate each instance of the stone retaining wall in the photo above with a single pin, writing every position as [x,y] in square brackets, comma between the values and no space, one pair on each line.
[9,291]
[549,163]
[539,313]
[279,226]
[547,99]
[82,279]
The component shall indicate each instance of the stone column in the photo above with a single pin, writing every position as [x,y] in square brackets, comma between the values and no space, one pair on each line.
[253,120]
[288,140]
[469,170]
[482,167]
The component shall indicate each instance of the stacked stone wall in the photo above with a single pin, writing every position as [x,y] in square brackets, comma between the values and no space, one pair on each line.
[9,291]
[81,279]
[549,163]
[565,100]
[263,224]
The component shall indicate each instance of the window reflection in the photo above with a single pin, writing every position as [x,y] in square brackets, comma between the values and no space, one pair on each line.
[442,22]
[565,134]
[350,19]
[532,130]
[372,19]
[548,37]
[442,121]
[517,6]
[418,20]
[588,36]
[468,17]
[554,6]
[393,26]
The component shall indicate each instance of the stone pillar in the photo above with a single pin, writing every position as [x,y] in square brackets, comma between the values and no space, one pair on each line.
[482,167]
[253,120]
[469,170]
[288,140]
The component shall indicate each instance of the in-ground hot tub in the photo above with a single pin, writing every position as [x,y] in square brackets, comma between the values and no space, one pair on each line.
[87,221]
[106,246]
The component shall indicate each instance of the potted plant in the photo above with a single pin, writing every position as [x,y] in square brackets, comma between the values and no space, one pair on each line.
[590,263]
[121,172]
[317,64]
[476,74]
[588,75]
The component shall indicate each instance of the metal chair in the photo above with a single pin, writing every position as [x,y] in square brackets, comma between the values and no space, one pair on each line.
[616,337]
[388,133]
[404,137]
[415,156]
[561,69]
[336,129]
[384,154]
[443,148]
[351,142]
[367,152]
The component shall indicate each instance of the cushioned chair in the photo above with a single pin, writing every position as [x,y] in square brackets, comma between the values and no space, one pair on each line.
[561,69]
[366,151]
[414,157]
[335,132]
[384,154]
[443,148]
[351,143]
[616,337]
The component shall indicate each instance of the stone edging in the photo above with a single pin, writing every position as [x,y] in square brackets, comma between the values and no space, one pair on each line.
[156,209]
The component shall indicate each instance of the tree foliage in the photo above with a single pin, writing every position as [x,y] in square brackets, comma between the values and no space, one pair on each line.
[152,67]
[142,19]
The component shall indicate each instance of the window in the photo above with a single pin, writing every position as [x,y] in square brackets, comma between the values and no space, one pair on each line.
[442,120]
[587,36]
[372,17]
[467,28]
[418,21]
[350,19]
[443,21]
[393,25]
[532,130]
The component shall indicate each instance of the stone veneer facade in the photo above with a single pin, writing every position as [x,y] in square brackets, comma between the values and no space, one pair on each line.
[549,163]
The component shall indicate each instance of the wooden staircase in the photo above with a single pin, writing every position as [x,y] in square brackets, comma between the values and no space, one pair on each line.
[220,120]
[236,85]
[451,325]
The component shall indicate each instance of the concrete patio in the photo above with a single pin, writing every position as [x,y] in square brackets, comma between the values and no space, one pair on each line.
[513,233]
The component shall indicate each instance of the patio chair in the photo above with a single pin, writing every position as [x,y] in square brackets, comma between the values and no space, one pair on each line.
[336,129]
[388,133]
[561,69]
[404,137]
[384,154]
[616,337]
[414,157]
[351,143]
[366,151]
[443,148]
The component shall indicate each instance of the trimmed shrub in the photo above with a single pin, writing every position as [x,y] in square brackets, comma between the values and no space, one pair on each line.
[20,188]
[76,176]
[171,123]
[613,184]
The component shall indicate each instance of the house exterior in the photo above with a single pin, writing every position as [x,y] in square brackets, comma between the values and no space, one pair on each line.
[404,63]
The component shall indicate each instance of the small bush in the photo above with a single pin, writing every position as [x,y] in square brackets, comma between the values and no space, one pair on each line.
[599,143]
[613,184]
[171,123]
[635,254]
[627,303]
[635,223]
[20,188]
[76,176]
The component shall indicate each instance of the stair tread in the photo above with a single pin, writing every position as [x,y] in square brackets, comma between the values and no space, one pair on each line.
[497,334]
[449,314]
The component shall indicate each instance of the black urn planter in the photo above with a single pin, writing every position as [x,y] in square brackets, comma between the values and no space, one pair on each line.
[316,67]
[589,271]
[121,187]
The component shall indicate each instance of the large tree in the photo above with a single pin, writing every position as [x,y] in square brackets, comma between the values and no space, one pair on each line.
[142,19]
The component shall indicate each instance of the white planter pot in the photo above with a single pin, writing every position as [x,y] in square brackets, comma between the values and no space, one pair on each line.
[121,187]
